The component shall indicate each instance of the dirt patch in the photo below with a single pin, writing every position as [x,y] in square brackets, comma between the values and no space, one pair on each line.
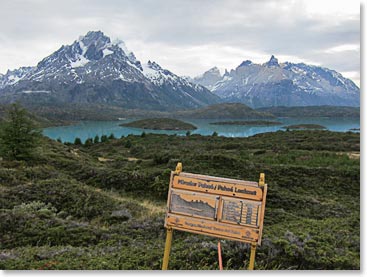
[101,159]
[132,159]
[351,155]
[354,155]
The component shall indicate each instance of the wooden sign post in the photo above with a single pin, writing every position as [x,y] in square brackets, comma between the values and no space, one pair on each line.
[218,207]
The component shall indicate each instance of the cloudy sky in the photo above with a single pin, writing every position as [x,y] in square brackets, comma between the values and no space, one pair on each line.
[190,36]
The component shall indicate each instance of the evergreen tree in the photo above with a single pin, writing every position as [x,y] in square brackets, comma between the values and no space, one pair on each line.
[128,144]
[143,134]
[88,142]
[78,141]
[104,138]
[215,134]
[18,134]
[112,136]
[96,139]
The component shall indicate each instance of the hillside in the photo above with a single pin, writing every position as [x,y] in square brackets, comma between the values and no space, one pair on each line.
[76,112]
[312,111]
[102,206]
[248,123]
[305,126]
[39,119]
[224,110]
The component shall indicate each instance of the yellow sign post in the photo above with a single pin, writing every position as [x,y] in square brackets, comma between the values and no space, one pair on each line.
[219,207]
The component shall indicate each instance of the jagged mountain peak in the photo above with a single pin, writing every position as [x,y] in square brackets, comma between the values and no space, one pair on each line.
[272,62]
[93,46]
[287,84]
[96,38]
[95,70]
[154,65]
[214,70]
[245,63]
[209,78]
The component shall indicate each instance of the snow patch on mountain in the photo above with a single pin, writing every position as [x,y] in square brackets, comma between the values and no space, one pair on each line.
[81,61]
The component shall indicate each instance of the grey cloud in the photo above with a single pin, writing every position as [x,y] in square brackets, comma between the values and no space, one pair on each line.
[270,27]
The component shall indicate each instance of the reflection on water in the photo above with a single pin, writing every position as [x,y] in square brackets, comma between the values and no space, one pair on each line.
[89,129]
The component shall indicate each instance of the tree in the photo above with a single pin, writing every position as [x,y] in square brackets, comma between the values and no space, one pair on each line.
[104,138]
[96,139]
[215,134]
[18,135]
[112,136]
[88,142]
[128,144]
[77,141]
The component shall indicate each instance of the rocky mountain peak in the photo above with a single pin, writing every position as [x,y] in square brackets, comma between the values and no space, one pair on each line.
[214,70]
[287,84]
[95,38]
[245,63]
[154,65]
[95,70]
[272,62]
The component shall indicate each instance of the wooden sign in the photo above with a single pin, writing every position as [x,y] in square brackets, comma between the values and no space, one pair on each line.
[218,207]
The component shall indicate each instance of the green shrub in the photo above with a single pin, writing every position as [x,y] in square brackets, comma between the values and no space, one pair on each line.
[65,195]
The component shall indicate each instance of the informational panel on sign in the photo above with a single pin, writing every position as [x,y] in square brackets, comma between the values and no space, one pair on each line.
[218,207]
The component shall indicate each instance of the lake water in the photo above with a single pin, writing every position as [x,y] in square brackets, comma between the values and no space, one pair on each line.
[89,129]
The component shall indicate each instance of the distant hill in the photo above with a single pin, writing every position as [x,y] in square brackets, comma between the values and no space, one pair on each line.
[40,121]
[312,111]
[160,124]
[248,123]
[224,110]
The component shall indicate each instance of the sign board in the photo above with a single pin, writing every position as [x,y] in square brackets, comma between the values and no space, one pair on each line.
[218,207]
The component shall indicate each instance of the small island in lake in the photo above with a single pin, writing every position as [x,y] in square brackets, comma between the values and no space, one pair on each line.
[305,126]
[248,123]
[160,124]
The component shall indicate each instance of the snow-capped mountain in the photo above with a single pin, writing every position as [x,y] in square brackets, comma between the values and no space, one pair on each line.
[13,76]
[285,84]
[209,78]
[97,71]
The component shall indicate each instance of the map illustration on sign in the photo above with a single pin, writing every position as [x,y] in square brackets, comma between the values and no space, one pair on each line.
[193,204]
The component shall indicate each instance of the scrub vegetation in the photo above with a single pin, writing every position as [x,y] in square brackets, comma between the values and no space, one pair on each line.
[101,205]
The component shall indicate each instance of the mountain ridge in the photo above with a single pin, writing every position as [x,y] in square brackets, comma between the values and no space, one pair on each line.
[283,84]
[95,70]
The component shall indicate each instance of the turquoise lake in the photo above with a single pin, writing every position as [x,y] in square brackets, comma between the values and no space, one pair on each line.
[89,129]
